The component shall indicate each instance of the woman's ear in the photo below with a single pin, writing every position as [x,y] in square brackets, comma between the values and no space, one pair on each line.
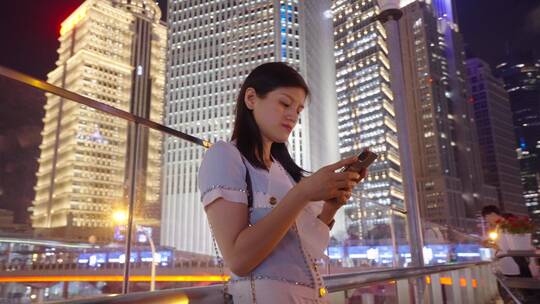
[250,98]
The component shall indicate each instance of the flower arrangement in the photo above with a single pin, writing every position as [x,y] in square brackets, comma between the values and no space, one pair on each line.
[516,225]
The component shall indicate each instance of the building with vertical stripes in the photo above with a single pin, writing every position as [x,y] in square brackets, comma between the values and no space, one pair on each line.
[212,47]
[112,51]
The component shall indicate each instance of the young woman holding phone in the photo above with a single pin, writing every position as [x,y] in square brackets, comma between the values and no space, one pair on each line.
[273,246]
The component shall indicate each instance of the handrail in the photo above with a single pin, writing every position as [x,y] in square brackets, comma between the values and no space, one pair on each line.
[519,253]
[49,88]
[334,283]
[506,288]
[345,281]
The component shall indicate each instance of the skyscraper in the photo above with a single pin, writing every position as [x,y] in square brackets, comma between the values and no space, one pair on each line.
[213,46]
[441,127]
[476,193]
[522,82]
[495,135]
[366,115]
[112,51]
[447,165]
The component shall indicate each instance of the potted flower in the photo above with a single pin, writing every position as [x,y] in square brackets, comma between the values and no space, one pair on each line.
[517,232]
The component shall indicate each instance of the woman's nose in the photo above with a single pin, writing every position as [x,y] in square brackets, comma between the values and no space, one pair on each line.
[292,116]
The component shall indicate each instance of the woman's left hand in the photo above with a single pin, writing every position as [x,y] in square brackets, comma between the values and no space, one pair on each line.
[342,200]
[330,207]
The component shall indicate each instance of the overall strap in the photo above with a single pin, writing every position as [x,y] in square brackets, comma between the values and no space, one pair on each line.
[250,205]
[249,186]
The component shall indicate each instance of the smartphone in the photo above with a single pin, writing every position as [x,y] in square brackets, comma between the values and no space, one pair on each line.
[365,159]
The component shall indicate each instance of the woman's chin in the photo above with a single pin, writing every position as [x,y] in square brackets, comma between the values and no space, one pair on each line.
[281,139]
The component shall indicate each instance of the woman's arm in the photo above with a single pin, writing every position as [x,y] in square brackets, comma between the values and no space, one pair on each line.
[245,247]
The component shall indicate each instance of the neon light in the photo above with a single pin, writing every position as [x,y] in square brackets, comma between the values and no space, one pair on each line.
[72,20]
[474,283]
[446,281]
[112,278]
[462,282]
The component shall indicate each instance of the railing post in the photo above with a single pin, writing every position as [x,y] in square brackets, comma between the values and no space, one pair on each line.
[395,251]
[469,292]
[131,168]
[456,290]
[403,291]
[436,288]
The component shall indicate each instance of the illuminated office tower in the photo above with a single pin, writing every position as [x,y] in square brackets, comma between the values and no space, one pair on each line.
[366,115]
[213,45]
[476,192]
[440,122]
[496,137]
[441,129]
[112,51]
[521,78]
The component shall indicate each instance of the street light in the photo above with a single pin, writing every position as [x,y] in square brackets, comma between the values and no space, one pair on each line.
[121,217]
[389,15]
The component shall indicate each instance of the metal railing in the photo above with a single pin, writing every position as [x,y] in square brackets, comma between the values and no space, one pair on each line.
[338,286]
[336,283]
[49,88]
[520,289]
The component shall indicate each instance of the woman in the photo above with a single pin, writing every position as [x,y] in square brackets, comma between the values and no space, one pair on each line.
[271,248]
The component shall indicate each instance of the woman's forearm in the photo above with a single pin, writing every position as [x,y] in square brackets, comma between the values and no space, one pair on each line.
[328,212]
[256,242]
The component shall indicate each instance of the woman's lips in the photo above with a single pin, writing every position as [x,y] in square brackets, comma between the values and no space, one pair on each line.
[289,128]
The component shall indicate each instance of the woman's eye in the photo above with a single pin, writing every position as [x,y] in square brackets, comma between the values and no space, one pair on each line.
[284,103]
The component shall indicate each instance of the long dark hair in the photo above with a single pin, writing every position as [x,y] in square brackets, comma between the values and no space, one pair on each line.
[264,79]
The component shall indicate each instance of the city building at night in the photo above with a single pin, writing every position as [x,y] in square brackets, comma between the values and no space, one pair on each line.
[112,52]
[522,82]
[495,136]
[212,48]
[366,115]
[447,165]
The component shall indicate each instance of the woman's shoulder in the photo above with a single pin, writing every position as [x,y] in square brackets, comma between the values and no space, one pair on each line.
[222,154]
[223,150]
[222,174]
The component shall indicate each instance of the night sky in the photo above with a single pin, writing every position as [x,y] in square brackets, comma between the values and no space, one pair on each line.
[491,28]
[30,30]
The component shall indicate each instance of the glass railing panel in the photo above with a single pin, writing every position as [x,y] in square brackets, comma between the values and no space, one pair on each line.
[475,284]
[375,238]
[385,292]
[169,219]
[103,164]
[63,176]
[445,244]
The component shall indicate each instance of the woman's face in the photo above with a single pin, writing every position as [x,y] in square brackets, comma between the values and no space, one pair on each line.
[277,113]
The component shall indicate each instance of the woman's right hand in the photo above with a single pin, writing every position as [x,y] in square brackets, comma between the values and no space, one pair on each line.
[326,183]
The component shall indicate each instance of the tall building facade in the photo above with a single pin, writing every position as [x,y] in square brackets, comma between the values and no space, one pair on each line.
[476,193]
[366,115]
[112,51]
[522,82]
[495,135]
[213,45]
[426,77]
[447,165]
[442,133]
